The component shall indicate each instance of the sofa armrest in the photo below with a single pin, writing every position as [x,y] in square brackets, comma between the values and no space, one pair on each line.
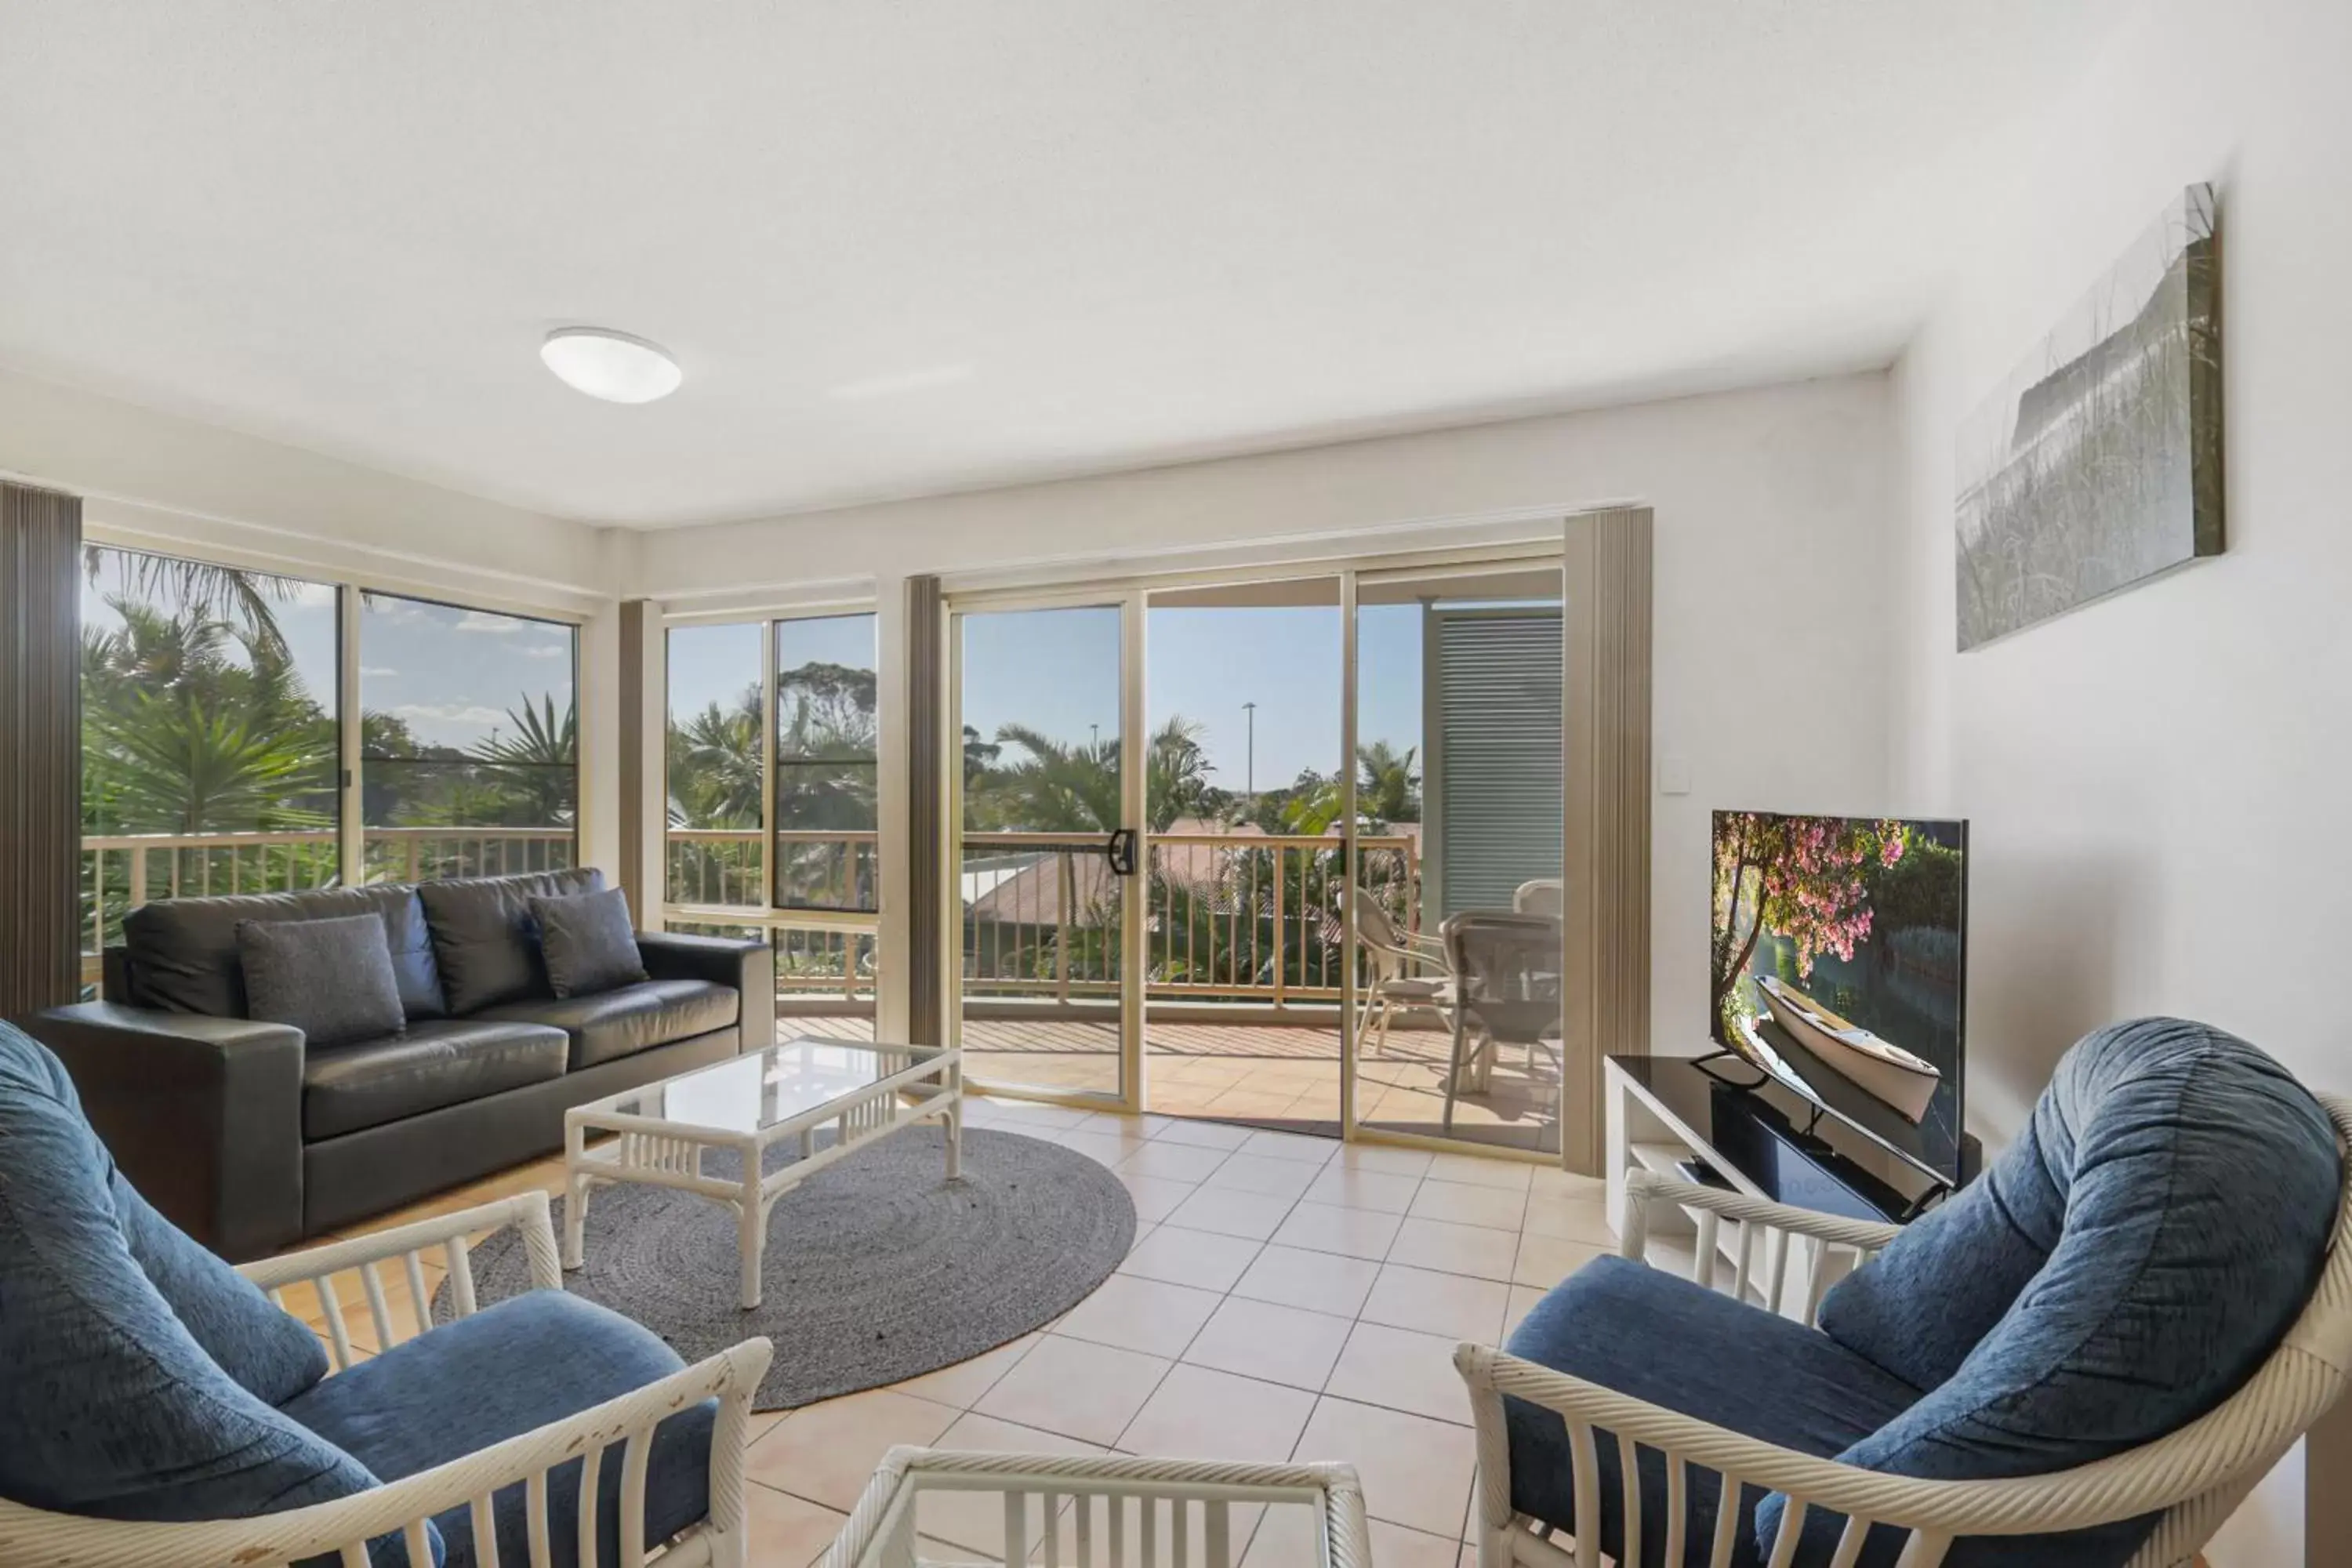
[749,966]
[204,1115]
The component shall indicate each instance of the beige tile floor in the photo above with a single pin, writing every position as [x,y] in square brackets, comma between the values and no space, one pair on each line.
[1285,1296]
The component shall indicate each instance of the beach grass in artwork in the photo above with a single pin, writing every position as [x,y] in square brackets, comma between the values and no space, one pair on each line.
[2099,463]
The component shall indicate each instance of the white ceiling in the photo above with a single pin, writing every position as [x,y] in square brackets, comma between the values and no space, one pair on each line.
[911,246]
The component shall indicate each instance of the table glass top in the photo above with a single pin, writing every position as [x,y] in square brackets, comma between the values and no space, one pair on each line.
[755,1092]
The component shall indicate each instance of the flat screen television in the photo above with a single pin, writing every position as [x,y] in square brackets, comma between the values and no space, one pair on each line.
[1838,968]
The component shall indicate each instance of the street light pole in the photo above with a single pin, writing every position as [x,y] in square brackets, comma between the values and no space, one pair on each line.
[1249,767]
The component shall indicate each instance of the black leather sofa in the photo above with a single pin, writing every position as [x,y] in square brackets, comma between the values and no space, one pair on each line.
[250,1141]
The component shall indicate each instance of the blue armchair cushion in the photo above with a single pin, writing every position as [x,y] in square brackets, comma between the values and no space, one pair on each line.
[114,1408]
[1648,1333]
[267,1352]
[2122,1269]
[507,1370]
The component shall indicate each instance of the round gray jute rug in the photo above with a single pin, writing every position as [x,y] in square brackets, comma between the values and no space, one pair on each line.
[877,1270]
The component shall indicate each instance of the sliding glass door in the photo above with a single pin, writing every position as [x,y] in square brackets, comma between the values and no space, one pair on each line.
[1045,843]
[1280,852]
[1459,940]
[1245,852]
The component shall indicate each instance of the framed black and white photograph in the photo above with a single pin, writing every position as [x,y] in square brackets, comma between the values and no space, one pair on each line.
[2098,463]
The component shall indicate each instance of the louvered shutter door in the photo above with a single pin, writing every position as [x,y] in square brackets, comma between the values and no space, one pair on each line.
[1500,798]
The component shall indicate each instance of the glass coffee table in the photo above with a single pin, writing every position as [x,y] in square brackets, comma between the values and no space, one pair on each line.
[795,1091]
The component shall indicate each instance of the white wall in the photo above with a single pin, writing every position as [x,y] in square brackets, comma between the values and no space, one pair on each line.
[1767,502]
[159,482]
[2153,781]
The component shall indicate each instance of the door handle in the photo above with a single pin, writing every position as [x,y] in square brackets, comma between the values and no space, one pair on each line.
[1120,850]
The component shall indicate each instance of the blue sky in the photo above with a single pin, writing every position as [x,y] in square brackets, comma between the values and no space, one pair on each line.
[1057,670]
[453,675]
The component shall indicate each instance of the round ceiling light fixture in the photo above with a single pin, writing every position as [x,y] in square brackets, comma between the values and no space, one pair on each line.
[611,365]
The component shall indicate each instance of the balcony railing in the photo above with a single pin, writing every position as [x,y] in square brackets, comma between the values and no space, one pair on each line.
[1229,917]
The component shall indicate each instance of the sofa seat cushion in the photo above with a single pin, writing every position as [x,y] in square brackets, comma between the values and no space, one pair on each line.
[115,1410]
[426,1066]
[615,1024]
[1657,1337]
[182,953]
[507,1370]
[2121,1270]
[485,943]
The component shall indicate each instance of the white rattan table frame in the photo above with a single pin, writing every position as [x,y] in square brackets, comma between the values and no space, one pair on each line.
[1110,1510]
[910,1084]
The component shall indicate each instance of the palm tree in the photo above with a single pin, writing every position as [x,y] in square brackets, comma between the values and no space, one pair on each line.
[1076,787]
[246,601]
[534,768]
[714,766]
[1057,787]
[179,736]
[1387,787]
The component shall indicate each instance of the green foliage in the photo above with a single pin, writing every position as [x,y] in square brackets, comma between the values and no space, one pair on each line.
[1923,888]
[1053,787]
[194,721]
[192,725]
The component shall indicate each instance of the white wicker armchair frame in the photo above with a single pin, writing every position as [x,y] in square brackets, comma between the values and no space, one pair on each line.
[2196,1475]
[32,1538]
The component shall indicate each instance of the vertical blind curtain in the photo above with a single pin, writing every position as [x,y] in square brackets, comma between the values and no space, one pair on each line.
[40,748]
[927,751]
[642,745]
[1500,706]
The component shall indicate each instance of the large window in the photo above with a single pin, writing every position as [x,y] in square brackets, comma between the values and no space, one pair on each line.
[826,768]
[468,741]
[771,770]
[210,737]
[214,742]
[717,839]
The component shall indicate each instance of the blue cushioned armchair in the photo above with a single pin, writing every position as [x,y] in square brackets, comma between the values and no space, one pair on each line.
[2085,1359]
[164,1410]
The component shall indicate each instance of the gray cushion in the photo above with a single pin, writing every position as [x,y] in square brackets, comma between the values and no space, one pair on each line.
[331,979]
[2121,1270]
[1658,1337]
[509,1369]
[588,942]
[445,1062]
[182,953]
[485,943]
[114,1410]
[632,1020]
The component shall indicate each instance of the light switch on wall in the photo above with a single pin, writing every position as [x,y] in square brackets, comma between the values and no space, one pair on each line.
[1674,776]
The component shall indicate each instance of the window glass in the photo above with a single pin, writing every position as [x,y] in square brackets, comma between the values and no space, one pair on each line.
[468,741]
[716,849]
[826,768]
[210,744]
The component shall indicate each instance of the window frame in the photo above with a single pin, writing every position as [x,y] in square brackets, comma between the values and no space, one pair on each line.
[850,927]
[772,764]
[353,601]
[352,588]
